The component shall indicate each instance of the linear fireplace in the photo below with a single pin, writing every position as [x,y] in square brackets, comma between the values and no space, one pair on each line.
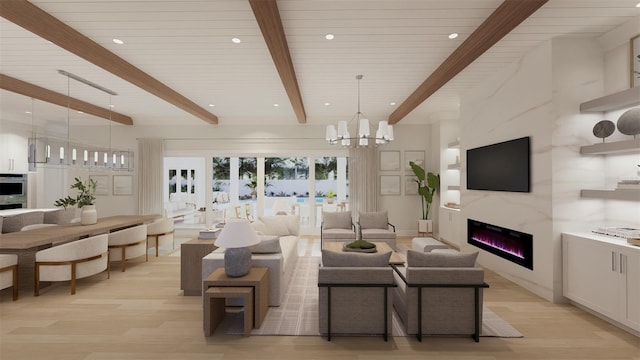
[509,244]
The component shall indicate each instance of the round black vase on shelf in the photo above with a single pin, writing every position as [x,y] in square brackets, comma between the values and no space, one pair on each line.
[603,129]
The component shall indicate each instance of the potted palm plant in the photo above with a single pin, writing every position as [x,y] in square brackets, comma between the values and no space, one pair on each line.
[428,184]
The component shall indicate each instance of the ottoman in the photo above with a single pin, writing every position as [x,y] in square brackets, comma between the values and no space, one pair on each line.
[426,244]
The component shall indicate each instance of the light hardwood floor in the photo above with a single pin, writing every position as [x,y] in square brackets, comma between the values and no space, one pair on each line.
[141,314]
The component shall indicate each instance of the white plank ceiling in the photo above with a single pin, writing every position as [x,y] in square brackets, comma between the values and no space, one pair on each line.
[187,45]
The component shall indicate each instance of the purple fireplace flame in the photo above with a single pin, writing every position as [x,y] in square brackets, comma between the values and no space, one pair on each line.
[509,244]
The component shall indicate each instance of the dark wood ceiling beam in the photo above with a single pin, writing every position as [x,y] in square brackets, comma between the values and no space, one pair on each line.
[39,22]
[268,18]
[33,91]
[504,19]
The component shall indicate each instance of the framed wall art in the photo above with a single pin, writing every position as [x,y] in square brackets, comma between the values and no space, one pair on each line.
[102,184]
[389,184]
[410,185]
[389,160]
[417,156]
[122,185]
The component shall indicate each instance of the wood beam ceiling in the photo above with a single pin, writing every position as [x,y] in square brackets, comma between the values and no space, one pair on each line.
[33,91]
[268,18]
[39,22]
[504,19]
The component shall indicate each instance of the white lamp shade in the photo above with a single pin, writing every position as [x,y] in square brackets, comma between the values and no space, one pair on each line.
[363,130]
[382,130]
[342,129]
[390,132]
[331,133]
[237,233]
[363,142]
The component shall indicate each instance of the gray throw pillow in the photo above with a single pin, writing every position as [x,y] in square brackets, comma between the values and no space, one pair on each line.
[267,245]
[429,259]
[350,259]
[374,220]
[336,220]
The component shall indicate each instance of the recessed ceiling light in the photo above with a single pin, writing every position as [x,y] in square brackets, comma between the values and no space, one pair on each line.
[80,112]
[212,105]
[453,35]
[276,105]
[329,36]
[236,40]
[393,103]
[327,104]
[27,112]
[638,5]
[112,106]
[118,41]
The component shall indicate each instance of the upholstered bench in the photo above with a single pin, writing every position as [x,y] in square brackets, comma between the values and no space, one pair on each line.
[426,244]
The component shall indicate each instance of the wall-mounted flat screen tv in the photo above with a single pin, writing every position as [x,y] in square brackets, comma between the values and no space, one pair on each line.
[503,166]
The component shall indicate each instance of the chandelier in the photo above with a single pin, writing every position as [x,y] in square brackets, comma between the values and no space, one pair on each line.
[343,137]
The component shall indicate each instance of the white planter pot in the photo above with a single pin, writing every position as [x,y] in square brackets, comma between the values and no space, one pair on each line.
[89,215]
[425,226]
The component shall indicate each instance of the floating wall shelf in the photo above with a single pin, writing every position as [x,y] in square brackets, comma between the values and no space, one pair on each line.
[453,187]
[454,144]
[619,100]
[617,147]
[618,194]
[453,166]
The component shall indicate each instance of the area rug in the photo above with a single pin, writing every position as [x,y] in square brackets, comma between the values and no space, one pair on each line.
[298,313]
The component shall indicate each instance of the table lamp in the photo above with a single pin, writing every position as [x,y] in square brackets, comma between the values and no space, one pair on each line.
[236,237]
[281,207]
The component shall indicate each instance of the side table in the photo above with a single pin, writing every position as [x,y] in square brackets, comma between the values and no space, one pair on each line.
[191,254]
[257,278]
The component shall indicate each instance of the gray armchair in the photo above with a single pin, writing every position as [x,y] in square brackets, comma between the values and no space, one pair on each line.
[375,227]
[355,294]
[337,226]
[440,294]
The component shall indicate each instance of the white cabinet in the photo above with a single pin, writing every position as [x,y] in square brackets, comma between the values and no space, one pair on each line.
[13,152]
[450,229]
[603,274]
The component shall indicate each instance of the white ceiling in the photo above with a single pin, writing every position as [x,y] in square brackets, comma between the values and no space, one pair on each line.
[187,46]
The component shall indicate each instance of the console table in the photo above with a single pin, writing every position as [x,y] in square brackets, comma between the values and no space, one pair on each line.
[191,254]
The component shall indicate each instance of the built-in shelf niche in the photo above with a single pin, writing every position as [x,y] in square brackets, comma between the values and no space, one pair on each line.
[454,144]
[453,166]
[620,100]
[453,187]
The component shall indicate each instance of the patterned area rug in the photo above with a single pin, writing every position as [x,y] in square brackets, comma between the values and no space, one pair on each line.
[298,313]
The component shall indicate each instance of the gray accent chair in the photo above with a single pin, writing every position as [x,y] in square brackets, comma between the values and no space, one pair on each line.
[440,293]
[355,294]
[375,227]
[337,226]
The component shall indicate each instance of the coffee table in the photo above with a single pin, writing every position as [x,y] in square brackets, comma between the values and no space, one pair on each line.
[382,247]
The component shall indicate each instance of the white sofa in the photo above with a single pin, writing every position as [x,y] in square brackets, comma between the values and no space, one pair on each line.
[281,263]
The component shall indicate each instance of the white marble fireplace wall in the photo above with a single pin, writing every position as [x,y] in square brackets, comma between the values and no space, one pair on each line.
[517,103]
[539,96]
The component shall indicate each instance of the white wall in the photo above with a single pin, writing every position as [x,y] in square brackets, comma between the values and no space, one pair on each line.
[514,104]
[539,96]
